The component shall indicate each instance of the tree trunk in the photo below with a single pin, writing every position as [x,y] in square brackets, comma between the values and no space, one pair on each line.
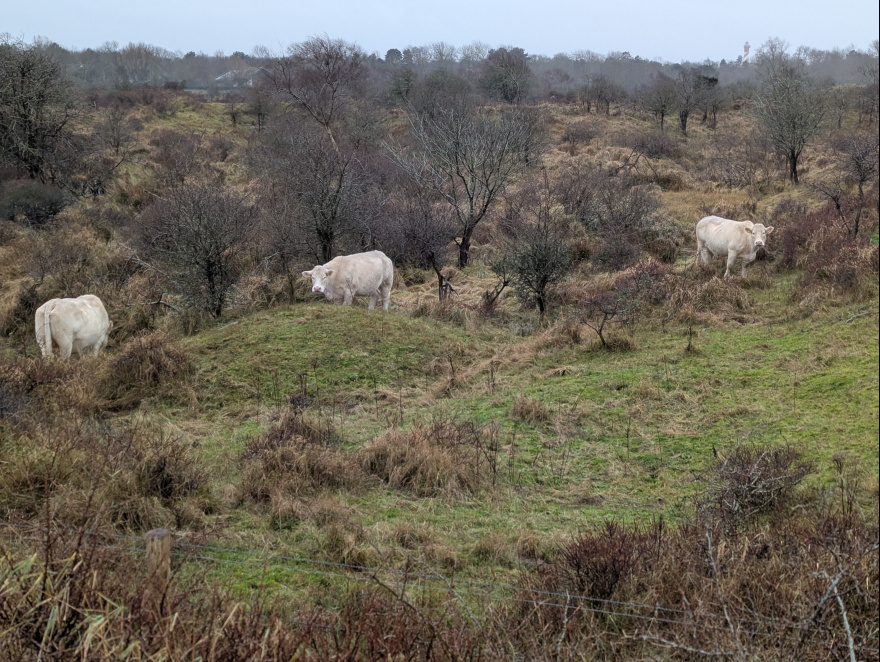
[464,249]
[792,168]
[683,120]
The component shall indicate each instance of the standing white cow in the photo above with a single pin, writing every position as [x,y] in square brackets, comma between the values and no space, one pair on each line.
[347,276]
[735,239]
[79,324]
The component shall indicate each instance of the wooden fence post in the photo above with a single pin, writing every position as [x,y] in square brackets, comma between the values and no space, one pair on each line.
[158,566]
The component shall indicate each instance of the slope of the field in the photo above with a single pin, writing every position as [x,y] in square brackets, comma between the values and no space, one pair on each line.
[580,435]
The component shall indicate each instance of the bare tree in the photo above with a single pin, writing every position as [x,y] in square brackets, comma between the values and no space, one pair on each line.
[537,254]
[117,130]
[419,230]
[36,108]
[858,154]
[469,157]
[660,98]
[320,188]
[687,89]
[787,103]
[195,237]
[320,76]
[604,90]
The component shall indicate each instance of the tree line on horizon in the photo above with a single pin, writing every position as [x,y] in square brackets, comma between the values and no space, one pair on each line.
[120,66]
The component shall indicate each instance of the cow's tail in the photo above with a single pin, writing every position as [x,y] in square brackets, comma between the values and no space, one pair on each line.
[47,332]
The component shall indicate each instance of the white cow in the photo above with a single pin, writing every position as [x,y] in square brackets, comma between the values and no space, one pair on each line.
[347,276]
[735,239]
[79,324]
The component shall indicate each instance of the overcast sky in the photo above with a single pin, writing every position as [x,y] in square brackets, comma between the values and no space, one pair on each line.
[671,30]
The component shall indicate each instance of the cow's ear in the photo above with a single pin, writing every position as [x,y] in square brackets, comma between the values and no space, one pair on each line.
[307,274]
[769,230]
[329,272]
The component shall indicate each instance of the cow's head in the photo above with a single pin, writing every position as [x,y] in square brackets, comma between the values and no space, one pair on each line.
[319,276]
[759,234]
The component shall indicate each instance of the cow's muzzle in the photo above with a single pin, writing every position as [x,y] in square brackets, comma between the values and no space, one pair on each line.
[318,288]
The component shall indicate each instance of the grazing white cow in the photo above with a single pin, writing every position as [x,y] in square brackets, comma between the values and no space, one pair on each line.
[79,324]
[735,239]
[347,276]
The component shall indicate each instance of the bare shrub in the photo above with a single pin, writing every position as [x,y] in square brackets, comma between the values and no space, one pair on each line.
[44,388]
[596,563]
[21,381]
[742,159]
[18,322]
[654,144]
[750,481]
[179,156]
[578,132]
[825,252]
[446,458]
[153,363]
[623,301]
[31,202]
[68,261]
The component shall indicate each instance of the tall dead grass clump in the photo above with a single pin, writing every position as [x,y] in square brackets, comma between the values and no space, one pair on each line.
[83,597]
[298,456]
[530,410]
[446,459]
[153,364]
[137,475]
[697,297]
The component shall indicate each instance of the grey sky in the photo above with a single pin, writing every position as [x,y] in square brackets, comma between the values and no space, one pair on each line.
[673,31]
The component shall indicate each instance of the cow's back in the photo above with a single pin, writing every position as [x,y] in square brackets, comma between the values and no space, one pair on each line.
[362,273]
[79,324]
[721,235]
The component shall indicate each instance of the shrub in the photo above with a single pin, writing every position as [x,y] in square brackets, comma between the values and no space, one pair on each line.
[36,202]
[137,475]
[655,145]
[19,321]
[751,481]
[579,132]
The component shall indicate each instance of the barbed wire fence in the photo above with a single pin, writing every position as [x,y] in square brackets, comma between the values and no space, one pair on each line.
[463,589]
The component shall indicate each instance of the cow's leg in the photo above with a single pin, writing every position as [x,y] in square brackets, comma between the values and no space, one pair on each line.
[347,298]
[65,345]
[386,297]
[731,258]
[374,297]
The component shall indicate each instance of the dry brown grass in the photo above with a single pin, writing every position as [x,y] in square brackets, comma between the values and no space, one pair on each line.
[153,364]
[530,410]
[292,459]
[447,458]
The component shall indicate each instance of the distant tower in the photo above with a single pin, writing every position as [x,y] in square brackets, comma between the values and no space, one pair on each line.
[746,53]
